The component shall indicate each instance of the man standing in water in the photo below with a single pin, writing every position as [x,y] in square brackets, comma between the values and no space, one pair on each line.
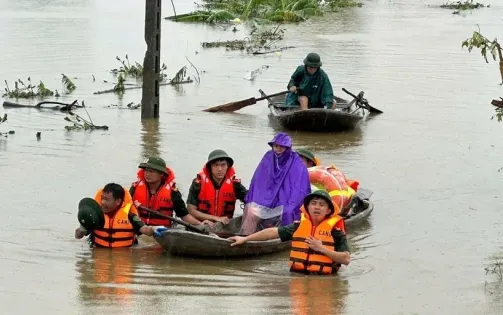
[310,86]
[156,190]
[215,190]
[111,224]
[319,244]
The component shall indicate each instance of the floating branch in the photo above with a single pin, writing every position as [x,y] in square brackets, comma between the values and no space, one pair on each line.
[79,123]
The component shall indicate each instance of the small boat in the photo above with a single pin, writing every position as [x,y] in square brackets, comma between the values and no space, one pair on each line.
[180,242]
[346,116]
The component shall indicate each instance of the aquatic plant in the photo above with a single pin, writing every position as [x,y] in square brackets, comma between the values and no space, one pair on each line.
[486,46]
[21,90]
[79,123]
[288,11]
[496,268]
[462,5]
[134,70]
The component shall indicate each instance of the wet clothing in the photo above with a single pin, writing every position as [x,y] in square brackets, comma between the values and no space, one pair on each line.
[317,88]
[340,240]
[280,180]
[135,221]
[176,197]
[240,191]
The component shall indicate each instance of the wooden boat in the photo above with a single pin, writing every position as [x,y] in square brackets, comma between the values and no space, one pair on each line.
[346,116]
[180,242]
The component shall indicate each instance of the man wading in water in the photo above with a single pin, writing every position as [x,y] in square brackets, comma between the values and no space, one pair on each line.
[319,244]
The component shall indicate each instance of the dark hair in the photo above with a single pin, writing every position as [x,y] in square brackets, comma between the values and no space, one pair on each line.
[116,190]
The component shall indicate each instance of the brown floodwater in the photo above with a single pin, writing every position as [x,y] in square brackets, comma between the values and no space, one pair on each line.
[431,159]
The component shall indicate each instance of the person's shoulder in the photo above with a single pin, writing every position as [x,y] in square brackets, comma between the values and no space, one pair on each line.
[299,68]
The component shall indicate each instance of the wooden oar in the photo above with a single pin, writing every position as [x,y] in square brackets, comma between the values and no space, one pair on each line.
[365,103]
[234,106]
[189,226]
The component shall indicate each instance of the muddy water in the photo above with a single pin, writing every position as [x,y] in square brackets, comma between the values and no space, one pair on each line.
[431,160]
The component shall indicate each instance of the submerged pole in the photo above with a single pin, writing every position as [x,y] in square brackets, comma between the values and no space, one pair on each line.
[151,62]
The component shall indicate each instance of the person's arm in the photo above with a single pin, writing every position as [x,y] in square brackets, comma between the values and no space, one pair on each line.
[80,232]
[284,233]
[181,209]
[340,253]
[239,190]
[193,202]
[327,93]
[295,78]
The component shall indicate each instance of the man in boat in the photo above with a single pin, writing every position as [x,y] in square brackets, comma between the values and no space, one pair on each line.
[110,222]
[215,190]
[308,157]
[156,189]
[319,244]
[310,86]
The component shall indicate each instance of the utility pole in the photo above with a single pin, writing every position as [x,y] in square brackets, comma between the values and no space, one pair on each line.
[152,60]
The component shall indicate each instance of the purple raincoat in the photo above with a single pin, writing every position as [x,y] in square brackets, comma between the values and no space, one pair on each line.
[280,180]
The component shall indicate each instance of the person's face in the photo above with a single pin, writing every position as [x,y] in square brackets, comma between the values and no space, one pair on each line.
[219,169]
[152,176]
[307,162]
[108,203]
[312,70]
[278,149]
[318,209]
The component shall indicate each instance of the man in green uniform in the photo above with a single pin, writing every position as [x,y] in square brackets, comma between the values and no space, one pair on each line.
[216,173]
[310,86]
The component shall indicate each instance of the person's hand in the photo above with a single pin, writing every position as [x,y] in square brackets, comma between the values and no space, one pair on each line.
[208,223]
[315,244]
[223,220]
[158,230]
[293,89]
[238,240]
[136,203]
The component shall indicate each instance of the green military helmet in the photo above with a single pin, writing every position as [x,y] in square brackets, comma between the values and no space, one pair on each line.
[90,214]
[308,154]
[219,155]
[155,163]
[322,194]
[313,60]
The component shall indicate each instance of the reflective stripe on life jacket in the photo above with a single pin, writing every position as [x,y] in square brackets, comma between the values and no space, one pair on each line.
[117,231]
[161,201]
[304,259]
[218,202]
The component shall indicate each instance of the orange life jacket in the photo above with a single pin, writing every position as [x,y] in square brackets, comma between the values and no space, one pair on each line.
[304,259]
[127,199]
[218,202]
[117,230]
[160,202]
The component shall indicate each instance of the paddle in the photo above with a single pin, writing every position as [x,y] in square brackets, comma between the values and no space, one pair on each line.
[189,226]
[234,106]
[365,103]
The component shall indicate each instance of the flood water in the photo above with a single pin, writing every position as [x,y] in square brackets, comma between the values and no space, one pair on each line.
[432,160]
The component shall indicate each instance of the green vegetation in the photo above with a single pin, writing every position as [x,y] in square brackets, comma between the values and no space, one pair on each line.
[134,70]
[486,46]
[21,90]
[262,11]
[462,6]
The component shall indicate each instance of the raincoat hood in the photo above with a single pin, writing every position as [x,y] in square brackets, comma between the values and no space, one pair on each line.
[282,139]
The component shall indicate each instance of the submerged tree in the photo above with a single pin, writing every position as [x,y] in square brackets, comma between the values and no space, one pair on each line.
[485,45]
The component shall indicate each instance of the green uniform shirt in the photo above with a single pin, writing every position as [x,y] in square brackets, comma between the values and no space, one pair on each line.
[176,196]
[340,241]
[317,88]
[195,188]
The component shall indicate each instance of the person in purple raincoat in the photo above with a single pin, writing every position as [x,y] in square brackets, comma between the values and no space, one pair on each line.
[280,179]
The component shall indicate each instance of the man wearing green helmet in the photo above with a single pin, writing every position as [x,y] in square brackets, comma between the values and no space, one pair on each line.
[319,244]
[213,193]
[310,86]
